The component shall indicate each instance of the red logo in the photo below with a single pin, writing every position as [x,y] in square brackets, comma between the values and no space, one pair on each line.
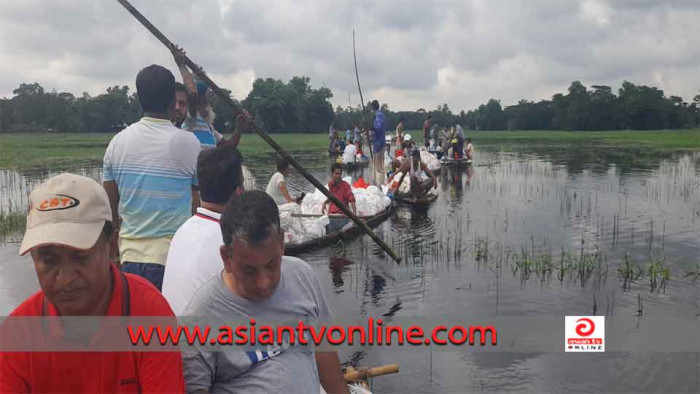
[586,328]
[58,202]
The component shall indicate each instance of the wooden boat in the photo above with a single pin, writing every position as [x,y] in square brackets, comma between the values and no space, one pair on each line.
[452,162]
[356,165]
[406,198]
[330,239]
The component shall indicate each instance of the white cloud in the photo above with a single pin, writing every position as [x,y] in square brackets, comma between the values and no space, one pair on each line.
[411,54]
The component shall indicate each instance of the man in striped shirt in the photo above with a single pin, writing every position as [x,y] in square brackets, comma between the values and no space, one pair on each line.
[150,177]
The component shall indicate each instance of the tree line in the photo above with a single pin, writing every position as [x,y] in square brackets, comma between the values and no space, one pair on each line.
[295,106]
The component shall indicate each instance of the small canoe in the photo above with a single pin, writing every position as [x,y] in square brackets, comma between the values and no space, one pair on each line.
[406,198]
[454,163]
[330,239]
[356,165]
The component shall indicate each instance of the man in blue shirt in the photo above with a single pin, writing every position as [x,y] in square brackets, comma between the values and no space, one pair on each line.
[378,143]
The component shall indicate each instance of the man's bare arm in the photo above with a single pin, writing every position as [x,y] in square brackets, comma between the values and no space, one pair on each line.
[195,199]
[187,80]
[330,374]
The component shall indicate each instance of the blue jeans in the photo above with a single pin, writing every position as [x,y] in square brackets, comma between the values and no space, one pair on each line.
[149,271]
[336,224]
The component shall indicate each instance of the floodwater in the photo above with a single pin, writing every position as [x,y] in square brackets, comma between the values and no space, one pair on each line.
[537,232]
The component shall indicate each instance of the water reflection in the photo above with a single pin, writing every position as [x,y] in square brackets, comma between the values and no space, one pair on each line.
[537,230]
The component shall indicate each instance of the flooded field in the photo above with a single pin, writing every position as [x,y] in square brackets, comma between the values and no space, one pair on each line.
[539,231]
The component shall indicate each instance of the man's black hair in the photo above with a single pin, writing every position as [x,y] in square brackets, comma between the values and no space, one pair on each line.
[155,87]
[282,163]
[219,173]
[415,153]
[375,105]
[252,216]
[336,166]
[179,87]
[429,117]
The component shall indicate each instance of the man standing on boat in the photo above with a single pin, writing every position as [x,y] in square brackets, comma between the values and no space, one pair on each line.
[378,143]
[71,238]
[150,175]
[399,133]
[200,115]
[194,256]
[343,192]
[459,135]
[180,105]
[469,150]
[418,173]
[426,130]
[258,282]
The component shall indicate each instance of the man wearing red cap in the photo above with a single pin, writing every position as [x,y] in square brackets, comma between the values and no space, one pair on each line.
[71,239]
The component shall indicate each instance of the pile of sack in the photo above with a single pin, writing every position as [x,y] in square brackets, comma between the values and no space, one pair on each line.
[300,229]
[369,200]
[430,160]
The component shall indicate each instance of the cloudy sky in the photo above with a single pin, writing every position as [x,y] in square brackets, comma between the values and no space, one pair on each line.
[411,53]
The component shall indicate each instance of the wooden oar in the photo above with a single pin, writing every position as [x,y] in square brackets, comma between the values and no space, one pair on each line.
[362,100]
[352,374]
[318,215]
[227,99]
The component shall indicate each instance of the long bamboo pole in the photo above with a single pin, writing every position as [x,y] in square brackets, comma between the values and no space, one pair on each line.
[362,100]
[227,99]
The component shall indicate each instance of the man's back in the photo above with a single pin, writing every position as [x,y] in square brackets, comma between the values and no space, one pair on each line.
[267,369]
[154,166]
[193,258]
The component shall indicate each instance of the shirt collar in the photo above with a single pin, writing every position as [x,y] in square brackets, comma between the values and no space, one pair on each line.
[156,120]
[208,214]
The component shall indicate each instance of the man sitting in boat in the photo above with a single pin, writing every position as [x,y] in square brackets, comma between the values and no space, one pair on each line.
[469,150]
[418,172]
[350,152]
[258,282]
[277,187]
[72,239]
[343,192]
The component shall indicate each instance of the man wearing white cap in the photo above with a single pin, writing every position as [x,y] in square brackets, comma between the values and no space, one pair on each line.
[71,239]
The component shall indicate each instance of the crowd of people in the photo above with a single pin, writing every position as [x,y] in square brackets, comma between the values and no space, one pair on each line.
[171,214]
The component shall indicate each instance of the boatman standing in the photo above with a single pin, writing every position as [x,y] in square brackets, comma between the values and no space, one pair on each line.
[200,114]
[71,237]
[426,130]
[378,143]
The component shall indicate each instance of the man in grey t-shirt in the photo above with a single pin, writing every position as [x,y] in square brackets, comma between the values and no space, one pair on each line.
[258,282]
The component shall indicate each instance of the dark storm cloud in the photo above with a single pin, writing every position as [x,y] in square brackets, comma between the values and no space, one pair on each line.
[411,53]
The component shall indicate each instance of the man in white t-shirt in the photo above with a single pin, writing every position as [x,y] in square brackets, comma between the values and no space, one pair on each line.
[149,173]
[277,187]
[194,256]
[350,152]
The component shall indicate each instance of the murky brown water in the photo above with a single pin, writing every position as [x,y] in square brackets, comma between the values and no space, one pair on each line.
[539,231]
